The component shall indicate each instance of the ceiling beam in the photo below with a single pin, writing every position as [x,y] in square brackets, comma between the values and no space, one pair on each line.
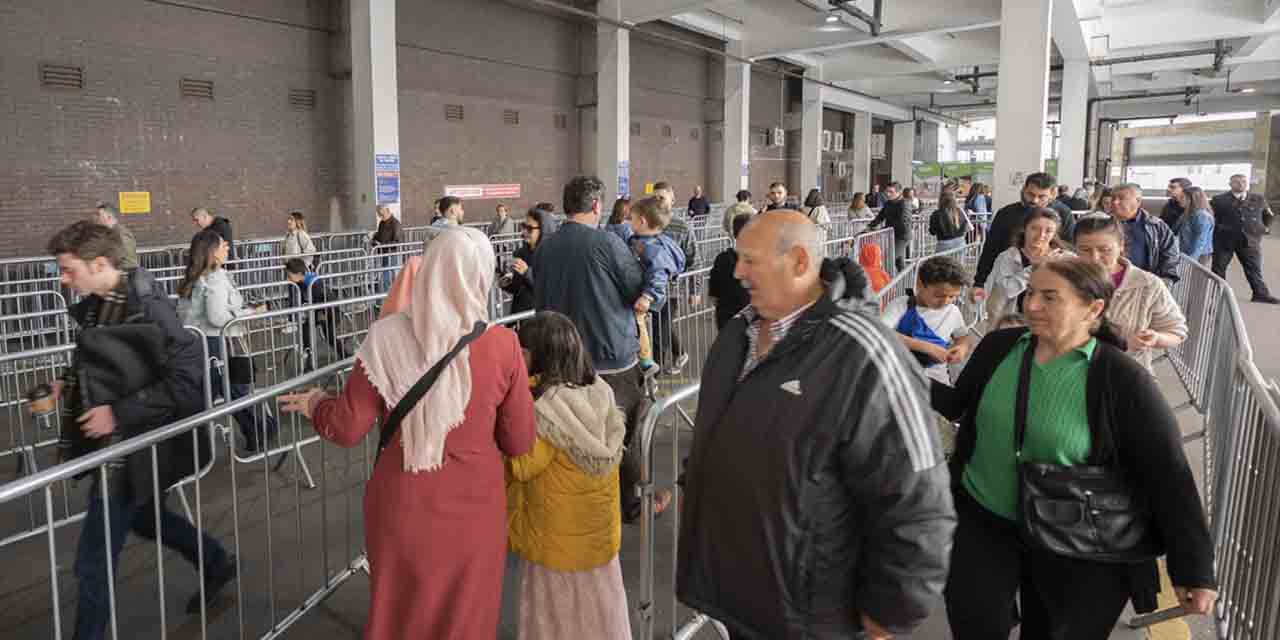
[884,38]
[712,26]
[640,12]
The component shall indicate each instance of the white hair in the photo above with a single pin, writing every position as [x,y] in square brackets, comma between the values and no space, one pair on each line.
[803,234]
[1127,186]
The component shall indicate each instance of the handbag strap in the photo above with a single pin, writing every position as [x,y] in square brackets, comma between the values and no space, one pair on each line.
[1020,406]
[391,425]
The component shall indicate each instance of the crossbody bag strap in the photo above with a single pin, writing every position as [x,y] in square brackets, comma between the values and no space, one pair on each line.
[391,426]
[1020,406]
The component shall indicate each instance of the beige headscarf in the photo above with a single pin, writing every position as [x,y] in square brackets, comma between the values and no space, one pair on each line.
[449,294]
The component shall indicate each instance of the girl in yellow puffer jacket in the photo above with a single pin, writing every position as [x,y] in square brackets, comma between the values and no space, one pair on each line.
[563,518]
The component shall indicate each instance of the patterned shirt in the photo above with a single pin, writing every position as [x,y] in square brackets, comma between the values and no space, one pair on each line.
[778,330]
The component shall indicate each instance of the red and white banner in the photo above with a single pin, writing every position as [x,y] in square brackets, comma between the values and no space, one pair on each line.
[483,191]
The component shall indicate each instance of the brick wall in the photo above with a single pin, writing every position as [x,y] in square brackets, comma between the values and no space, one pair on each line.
[246,153]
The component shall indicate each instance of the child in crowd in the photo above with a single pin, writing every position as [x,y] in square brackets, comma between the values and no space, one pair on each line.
[662,262]
[562,498]
[312,291]
[872,260]
[930,324]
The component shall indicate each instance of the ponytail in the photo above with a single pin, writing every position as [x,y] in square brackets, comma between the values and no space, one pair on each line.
[1108,333]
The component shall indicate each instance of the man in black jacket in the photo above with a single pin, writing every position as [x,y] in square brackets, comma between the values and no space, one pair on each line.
[88,258]
[817,501]
[1150,244]
[1037,192]
[589,275]
[1177,204]
[1240,221]
[895,214]
[203,219]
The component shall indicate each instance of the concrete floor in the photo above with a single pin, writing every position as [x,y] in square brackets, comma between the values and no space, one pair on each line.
[291,537]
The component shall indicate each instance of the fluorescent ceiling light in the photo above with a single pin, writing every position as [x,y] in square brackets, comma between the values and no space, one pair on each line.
[831,19]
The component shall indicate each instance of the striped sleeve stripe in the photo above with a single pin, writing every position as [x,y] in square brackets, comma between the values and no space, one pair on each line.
[909,412]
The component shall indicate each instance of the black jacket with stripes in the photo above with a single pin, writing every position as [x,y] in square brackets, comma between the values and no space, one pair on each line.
[815,487]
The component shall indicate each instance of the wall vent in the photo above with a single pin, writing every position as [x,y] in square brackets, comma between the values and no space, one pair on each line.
[666,131]
[635,128]
[717,135]
[453,112]
[61,76]
[511,117]
[196,88]
[562,121]
[695,133]
[302,99]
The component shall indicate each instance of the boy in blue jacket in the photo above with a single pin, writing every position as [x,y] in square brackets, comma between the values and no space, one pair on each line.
[313,292]
[662,261]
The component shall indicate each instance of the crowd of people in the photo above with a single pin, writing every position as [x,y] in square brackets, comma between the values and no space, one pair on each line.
[852,467]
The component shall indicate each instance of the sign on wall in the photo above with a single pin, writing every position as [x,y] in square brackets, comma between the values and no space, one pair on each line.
[386,171]
[483,191]
[624,179]
[135,202]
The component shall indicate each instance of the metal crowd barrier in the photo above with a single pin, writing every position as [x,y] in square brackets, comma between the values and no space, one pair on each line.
[292,548]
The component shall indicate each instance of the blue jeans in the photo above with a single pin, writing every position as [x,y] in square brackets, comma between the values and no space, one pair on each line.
[947,245]
[127,514]
[247,419]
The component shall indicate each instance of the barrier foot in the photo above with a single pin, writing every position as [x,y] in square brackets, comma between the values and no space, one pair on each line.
[694,625]
[306,470]
[1156,617]
[186,506]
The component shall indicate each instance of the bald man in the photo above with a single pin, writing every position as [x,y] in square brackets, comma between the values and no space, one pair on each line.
[817,502]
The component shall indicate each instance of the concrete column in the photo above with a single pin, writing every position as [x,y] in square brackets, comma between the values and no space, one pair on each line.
[613,99]
[735,159]
[948,138]
[860,178]
[375,112]
[1261,153]
[1075,107]
[904,149]
[810,135]
[1022,96]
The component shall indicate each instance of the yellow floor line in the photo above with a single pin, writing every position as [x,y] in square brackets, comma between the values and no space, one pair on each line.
[1173,629]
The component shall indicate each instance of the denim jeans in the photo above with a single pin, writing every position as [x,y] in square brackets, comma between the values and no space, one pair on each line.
[247,419]
[947,245]
[127,514]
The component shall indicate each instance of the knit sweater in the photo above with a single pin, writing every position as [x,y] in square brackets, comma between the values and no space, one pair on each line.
[1142,301]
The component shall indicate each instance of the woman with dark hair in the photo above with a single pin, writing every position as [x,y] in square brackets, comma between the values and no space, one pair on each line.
[208,299]
[949,224]
[1102,203]
[618,220]
[1037,242]
[562,498]
[1195,227]
[817,208]
[978,200]
[1053,398]
[1143,309]
[518,281]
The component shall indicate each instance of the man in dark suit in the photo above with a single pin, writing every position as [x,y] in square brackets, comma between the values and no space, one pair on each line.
[1240,220]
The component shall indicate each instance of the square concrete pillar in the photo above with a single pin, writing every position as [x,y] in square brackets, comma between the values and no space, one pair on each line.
[1022,96]
[735,165]
[613,99]
[375,109]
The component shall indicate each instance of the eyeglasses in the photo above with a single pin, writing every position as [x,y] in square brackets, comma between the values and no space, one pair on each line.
[529,227]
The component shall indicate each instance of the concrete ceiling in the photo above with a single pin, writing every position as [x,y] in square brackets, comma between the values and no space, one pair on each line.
[923,43]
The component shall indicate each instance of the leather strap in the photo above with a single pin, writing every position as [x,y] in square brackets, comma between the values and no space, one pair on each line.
[391,426]
[1020,406]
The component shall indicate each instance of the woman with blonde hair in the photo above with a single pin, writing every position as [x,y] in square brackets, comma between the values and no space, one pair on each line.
[297,242]
[435,508]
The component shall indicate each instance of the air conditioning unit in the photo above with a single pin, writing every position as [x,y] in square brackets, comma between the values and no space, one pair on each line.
[877,146]
[778,138]
[837,143]
[826,140]
[842,168]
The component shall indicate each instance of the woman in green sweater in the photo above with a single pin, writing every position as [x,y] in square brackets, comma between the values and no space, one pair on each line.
[1087,403]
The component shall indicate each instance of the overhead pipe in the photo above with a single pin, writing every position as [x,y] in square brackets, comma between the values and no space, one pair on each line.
[1217,51]
[916,111]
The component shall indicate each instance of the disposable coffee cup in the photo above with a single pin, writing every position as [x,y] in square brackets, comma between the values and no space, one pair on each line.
[40,401]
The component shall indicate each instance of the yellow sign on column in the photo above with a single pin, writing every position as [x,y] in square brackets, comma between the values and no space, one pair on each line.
[648,188]
[135,202]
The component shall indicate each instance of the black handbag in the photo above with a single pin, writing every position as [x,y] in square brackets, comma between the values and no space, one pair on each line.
[391,426]
[1084,512]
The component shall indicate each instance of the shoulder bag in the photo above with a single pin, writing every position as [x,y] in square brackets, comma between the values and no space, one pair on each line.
[1083,512]
[391,426]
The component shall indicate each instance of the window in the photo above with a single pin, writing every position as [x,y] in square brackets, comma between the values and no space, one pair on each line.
[1154,179]
[978,130]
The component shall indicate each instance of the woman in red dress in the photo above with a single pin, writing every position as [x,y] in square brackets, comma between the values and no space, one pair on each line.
[435,508]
